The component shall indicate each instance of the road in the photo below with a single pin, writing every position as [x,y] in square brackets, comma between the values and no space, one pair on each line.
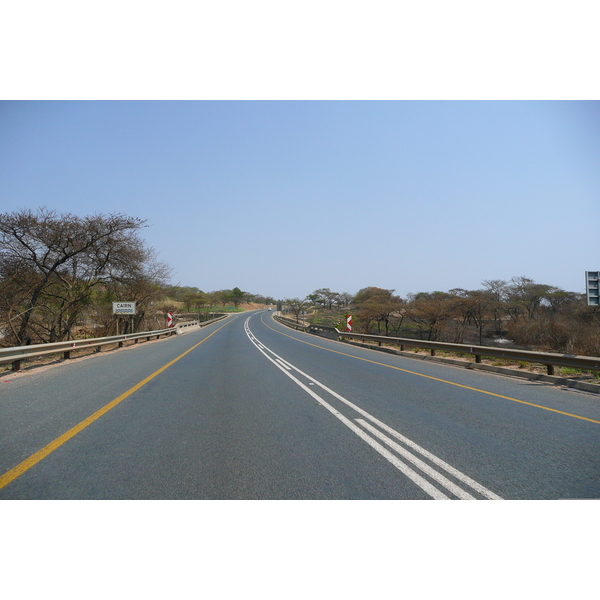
[249,409]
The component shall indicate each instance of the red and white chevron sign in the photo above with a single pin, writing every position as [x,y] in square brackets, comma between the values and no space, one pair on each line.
[348,322]
[169,319]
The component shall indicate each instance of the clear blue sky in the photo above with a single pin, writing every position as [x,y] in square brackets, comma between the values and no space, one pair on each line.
[284,197]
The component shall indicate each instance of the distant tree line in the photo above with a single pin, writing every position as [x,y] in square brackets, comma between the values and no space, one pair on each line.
[527,313]
[60,274]
[192,299]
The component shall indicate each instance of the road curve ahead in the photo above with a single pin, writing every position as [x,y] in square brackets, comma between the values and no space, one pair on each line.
[249,409]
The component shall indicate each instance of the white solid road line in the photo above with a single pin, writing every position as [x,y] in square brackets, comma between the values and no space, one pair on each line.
[438,461]
[283,364]
[425,485]
[451,487]
[405,469]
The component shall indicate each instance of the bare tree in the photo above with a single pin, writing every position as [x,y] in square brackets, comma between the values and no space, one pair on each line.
[525,297]
[479,303]
[145,286]
[560,299]
[380,305]
[55,261]
[497,289]
[297,306]
[430,311]
[345,298]
[325,297]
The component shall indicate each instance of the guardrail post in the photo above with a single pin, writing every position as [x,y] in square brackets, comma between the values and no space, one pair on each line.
[478,358]
[67,355]
[433,352]
[401,347]
[120,344]
[550,369]
[16,365]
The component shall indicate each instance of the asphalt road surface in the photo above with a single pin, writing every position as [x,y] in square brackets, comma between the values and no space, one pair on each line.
[249,409]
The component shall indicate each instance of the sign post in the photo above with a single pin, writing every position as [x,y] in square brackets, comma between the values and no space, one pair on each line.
[123,308]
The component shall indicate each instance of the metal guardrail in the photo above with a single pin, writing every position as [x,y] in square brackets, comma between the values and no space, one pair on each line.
[19,353]
[185,324]
[549,360]
[324,331]
[290,323]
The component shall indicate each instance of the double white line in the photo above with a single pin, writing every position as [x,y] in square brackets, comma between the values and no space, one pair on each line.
[360,427]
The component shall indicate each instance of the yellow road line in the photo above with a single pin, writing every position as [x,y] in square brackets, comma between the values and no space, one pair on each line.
[436,378]
[35,458]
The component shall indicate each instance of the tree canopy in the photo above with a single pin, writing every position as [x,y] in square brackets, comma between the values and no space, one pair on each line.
[52,265]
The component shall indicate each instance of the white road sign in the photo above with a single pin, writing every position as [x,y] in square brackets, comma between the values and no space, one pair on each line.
[123,308]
